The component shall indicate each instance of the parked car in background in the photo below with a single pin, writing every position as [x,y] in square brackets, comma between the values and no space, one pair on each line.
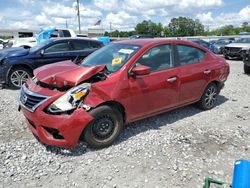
[205,44]
[141,37]
[220,44]
[17,64]
[227,39]
[236,49]
[246,61]
[26,43]
[43,35]
[46,34]
[3,43]
[119,83]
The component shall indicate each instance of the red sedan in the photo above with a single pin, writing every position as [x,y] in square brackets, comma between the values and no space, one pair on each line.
[120,83]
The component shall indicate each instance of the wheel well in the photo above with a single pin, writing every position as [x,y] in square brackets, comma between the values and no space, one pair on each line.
[118,106]
[22,66]
[217,83]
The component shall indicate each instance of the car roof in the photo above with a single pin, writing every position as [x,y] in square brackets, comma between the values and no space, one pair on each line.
[147,42]
[143,42]
[72,38]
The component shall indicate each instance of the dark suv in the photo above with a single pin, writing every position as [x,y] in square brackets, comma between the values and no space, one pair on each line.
[17,64]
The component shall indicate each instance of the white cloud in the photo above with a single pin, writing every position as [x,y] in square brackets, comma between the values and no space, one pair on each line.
[245,13]
[121,20]
[200,4]
[59,10]
[109,5]
[235,19]
[42,19]
[205,17]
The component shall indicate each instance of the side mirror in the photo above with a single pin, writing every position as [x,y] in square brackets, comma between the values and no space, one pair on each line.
[42,52]
[140,70]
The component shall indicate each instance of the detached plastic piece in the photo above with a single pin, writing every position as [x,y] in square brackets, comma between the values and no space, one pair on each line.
[241,177]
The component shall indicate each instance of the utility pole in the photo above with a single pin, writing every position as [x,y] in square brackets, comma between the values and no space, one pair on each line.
[78,15]
[66,23]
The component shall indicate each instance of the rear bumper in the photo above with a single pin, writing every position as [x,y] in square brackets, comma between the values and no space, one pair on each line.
[57,130]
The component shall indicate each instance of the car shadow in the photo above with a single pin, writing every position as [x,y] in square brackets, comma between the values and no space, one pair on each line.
[135,128]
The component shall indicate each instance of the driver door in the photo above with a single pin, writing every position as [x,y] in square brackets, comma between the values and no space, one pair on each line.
[158,90]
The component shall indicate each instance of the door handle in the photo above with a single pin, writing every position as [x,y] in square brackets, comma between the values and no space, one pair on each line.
[172,79]
[207,71]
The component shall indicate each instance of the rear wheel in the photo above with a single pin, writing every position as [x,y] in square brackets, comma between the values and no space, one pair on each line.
[106,126]
[208,99]
[18,76]
[246,69]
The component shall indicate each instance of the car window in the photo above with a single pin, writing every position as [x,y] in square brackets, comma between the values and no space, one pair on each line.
[114,56]
[157,58]
[202,43]
[66,33]
[80,45]
[59,47]
[189,54]
[95,44]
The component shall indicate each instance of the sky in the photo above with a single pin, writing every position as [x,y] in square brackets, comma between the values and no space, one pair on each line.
[120,14]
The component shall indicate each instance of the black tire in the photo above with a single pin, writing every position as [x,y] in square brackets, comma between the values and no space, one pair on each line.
[105,128]
[18,76]
[246,69]
[226,57]
[208,99]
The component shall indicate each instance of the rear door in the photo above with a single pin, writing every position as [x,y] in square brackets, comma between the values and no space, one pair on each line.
[194,72]
[81,49]
[158,90]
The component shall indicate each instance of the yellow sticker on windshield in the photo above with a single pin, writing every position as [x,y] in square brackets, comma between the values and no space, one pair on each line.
[116,61]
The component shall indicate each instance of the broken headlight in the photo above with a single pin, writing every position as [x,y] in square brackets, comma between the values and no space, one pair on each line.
[70,100]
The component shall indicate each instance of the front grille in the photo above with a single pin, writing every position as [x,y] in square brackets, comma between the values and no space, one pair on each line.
[233,49]
[31,100]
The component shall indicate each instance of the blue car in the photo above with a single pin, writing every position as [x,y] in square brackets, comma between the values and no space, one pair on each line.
[17,64]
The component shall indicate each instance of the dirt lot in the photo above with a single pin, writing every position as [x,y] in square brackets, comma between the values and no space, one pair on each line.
[174,149]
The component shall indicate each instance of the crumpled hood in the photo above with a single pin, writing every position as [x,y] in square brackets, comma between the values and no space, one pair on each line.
[13,52]
[65,73]
[239,45]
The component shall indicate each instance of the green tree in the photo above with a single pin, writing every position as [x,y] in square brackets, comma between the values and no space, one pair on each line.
[183,26]
[147,27]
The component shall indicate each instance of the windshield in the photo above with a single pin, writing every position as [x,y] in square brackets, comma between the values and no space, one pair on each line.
[114,56]
[39,46]
[220,42]
[243,40]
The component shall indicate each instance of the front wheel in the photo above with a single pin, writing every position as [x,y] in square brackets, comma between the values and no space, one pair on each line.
[208,99]
[106,126]
[18,76]
[246,69]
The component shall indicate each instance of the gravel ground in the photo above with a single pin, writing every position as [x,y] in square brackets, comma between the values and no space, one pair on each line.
[175,149]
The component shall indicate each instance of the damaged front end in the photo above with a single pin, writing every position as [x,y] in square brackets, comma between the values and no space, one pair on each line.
[75,87]
[70,101]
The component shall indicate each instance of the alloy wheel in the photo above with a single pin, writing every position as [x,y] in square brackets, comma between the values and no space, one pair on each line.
[210,97]
[19,77]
